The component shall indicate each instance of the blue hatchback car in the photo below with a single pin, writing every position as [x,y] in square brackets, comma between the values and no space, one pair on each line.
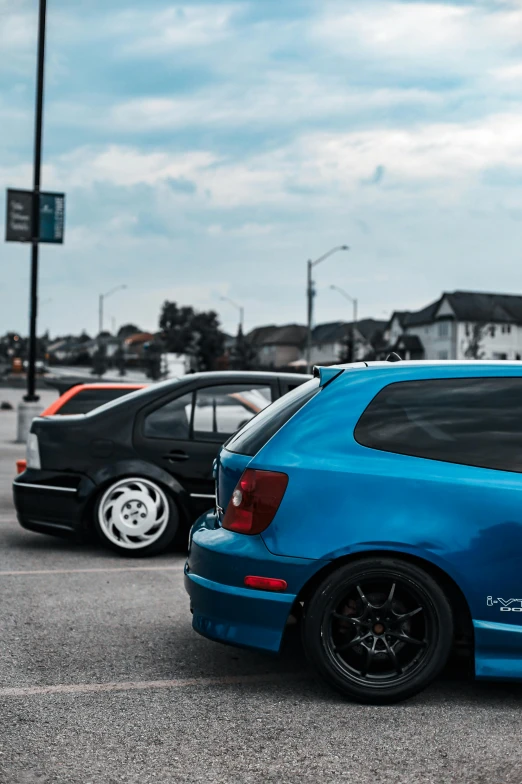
[381,504]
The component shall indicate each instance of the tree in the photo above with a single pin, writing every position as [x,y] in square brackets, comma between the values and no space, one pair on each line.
[153,353]
[99,361]
[127,330]
[175,324]
[198,335]
[243,355]
[349,347]
[473,347]
[119,360]
[208,340]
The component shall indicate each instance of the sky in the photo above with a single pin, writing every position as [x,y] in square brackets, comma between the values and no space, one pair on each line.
[208,150]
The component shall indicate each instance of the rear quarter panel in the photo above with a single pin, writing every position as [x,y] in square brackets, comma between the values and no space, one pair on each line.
[343,498]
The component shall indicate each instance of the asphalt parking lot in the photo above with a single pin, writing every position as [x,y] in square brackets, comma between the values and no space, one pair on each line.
[103,680]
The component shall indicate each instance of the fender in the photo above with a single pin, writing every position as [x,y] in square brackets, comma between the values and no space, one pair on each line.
[425,553]
[121,468]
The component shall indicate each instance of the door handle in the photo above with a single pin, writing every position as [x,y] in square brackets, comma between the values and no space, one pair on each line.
[176,456]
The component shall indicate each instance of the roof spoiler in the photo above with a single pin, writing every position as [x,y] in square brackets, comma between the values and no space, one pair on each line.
[326,374]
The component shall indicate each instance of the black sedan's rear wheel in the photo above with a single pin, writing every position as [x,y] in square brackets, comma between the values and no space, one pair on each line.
[136,517]
[379,630]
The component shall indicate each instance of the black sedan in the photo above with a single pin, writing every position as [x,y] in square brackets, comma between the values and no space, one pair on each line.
[138,470]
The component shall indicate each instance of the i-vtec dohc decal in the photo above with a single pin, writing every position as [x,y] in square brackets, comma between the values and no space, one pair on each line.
[505,605]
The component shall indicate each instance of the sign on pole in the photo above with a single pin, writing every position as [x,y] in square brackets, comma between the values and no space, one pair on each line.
[52,216]
[19,223]
[20,217]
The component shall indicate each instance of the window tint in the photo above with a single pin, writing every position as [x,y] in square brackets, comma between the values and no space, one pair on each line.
[260,430]
[88,399]
[222,410]
[475,422]
[171,420]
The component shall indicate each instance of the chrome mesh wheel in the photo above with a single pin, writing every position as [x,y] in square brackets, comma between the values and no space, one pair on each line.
[133,513]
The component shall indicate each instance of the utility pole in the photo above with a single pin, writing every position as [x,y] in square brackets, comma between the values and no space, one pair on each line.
[101,301]
[310,293]
[238,307]
[31,396]
[309,309]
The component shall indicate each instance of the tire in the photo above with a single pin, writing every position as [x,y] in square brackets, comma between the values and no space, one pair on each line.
[374,643]
[136,517]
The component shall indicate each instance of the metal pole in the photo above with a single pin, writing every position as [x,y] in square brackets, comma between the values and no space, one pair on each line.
[310,296]
[242,318]
[31,374]
[100,314]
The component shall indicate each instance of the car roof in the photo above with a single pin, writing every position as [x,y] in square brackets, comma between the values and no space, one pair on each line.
[329,372]
[64,398]
[155,391]
[108,385]
[229,375]
[442,363]
[479,363]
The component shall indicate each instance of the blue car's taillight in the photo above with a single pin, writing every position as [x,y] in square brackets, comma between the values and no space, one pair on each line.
[255,501]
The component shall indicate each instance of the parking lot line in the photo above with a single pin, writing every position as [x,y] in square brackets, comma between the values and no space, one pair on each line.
[18,572]
[177,683]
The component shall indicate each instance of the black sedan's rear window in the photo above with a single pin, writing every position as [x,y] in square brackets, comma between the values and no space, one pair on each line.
[258,432]
[88,399]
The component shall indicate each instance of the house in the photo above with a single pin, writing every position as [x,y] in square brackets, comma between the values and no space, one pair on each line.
[134,344]
[67,350]
[278,347]
[329,340]
[459,325]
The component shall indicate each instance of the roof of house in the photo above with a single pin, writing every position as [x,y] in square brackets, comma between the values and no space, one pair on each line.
[258,335]
[481,306]
[286,335]
[138,337]
[474,306]
[336,331]
[371,329]
[401,315]
[423,316]
[409,343]
[332,332]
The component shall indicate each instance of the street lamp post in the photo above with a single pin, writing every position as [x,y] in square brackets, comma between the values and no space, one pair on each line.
[102,298]
[238,307]
[310,293]
[31,396]
[353,300]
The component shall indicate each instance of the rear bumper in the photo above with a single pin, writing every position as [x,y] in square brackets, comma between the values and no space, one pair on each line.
[52,503]
[223,609]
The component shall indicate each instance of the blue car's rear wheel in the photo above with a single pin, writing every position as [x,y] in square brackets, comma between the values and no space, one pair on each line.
[379,630]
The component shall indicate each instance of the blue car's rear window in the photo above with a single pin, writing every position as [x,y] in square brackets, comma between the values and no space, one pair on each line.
[256,433]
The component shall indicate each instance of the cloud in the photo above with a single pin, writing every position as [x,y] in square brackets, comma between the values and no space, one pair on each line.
[420,34]
[226,142]
[376,177]
[176,27]
[508,73]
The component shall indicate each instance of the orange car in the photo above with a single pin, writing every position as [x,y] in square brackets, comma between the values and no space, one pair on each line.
[81,399]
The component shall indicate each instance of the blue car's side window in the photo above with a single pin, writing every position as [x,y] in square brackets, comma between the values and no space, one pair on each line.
[256,433]
[476,422]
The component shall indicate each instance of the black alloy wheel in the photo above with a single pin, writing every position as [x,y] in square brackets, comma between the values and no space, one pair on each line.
[379,630]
